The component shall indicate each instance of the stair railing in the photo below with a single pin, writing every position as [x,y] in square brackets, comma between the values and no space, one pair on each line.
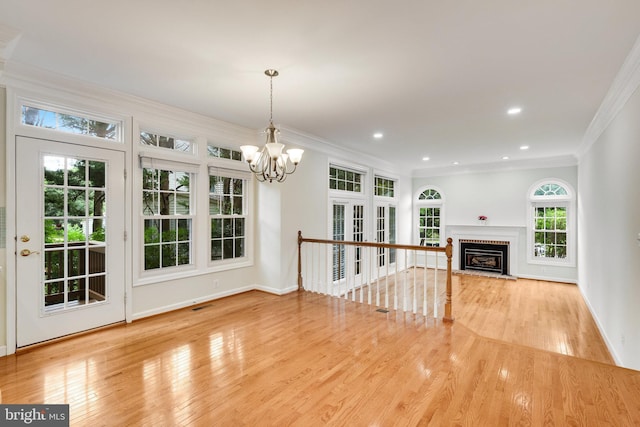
[378,274]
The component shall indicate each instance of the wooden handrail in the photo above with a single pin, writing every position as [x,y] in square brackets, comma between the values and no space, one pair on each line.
[447,250]
[373,244]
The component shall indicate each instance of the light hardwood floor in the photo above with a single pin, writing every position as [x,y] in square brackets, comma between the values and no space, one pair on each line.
[305,359]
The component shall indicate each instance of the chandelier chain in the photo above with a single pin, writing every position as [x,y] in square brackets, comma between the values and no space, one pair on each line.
[271,99]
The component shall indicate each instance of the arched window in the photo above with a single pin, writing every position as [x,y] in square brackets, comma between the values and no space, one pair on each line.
[430,194]
[430,207]
[551,228]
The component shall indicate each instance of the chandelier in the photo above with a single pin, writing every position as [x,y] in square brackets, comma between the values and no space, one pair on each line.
[269,163]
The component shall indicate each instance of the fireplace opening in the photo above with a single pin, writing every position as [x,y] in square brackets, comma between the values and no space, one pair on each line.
[485,255]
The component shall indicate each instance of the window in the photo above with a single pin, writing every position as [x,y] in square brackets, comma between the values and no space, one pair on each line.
[551,222]
[550,232]
[227,214]
[430,224]
[167,142]
[167,211]
[70,123]
[384,187]
[345,180]
[430,194]
[224,153]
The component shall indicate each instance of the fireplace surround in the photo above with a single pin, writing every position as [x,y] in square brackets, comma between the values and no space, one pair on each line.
[512,235]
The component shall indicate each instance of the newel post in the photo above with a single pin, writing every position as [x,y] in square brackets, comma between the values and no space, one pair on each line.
[448,317]
[299,260]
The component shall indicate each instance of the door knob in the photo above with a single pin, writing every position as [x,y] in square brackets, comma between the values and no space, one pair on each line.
[27,252]
[24,238]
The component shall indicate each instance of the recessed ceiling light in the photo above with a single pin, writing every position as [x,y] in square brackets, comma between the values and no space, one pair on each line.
[456,163]
[378,135]
[505,157]
[425,158]
[514,110]
[524,147]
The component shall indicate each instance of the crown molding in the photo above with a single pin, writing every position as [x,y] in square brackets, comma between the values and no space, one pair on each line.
[511,165]
[623,86]
[9,38]
[333,150]
[57,88]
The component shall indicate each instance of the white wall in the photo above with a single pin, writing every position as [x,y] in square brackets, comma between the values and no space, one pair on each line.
[304,206]
[502,196]
[279,210]
[609,209]
[142,299]
[3,252]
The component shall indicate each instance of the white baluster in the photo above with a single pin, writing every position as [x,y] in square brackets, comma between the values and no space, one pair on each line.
[436,297]
[424,285]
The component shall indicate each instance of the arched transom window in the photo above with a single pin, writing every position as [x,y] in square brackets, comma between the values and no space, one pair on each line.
[430,219]
[430,194]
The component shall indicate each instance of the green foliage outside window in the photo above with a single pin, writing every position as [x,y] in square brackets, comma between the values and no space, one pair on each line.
[550,232]
[429,226]
[227,221]
[345,180]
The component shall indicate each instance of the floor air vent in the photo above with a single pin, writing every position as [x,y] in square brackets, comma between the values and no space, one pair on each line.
[201,307]
[382,310]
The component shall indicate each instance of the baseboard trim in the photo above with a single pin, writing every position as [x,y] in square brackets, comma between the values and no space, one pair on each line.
[547,279]
[211,297]
[3,350]
[190,302]
[276,291]
[610,347]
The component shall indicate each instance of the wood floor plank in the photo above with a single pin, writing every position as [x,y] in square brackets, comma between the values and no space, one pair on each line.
[310,360]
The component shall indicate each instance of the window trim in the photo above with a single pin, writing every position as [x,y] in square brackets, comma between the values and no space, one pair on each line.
[377,176]
[199,163]
[120,122]
[429,203]
[568,202]
[193,142]
[364,185]
[151,276]
[214,169]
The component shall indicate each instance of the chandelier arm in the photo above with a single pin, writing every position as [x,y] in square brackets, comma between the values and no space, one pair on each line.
[293,170]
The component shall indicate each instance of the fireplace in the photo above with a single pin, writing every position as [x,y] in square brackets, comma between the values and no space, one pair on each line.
[490,256]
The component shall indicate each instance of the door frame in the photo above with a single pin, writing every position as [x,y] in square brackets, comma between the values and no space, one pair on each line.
[14,129]
[349,204]
[34,321]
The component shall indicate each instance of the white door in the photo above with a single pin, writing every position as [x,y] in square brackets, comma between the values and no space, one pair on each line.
[70,239]
[348,261]
[386,233]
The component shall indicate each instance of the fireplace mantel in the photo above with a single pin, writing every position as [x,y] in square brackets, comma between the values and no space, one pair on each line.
[509,234]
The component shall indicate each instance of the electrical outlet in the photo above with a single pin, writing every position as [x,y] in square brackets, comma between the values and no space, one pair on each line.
[622,339]
[216,284]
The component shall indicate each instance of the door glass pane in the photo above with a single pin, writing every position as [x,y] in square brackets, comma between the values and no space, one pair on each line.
[338,250]
[392,233]
[358,236]
[74,196]
[381,234]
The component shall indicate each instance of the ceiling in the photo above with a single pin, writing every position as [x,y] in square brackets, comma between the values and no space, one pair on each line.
[436,78]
